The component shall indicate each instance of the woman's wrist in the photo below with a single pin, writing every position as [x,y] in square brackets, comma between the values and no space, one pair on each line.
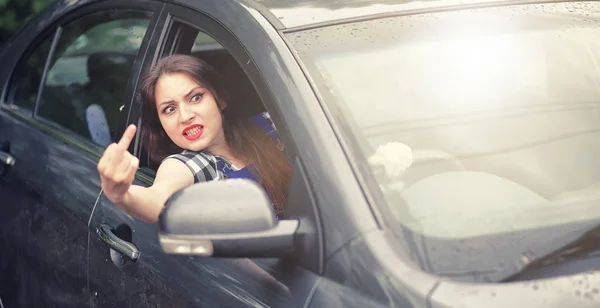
[125,200]
[121,200]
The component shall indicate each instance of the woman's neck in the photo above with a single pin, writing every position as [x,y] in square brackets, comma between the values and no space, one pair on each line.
[223,150]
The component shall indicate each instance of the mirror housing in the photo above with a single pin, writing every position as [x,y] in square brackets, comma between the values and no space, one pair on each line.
[229,218]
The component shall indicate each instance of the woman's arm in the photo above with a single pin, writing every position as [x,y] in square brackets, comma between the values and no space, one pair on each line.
[146,203]
[117,168]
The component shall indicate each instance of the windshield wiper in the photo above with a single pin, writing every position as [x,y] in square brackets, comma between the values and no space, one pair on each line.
[579,248]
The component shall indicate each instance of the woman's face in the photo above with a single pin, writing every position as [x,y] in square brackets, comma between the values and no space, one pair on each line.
[189,114]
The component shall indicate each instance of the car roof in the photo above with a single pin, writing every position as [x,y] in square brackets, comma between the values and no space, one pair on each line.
[314,13]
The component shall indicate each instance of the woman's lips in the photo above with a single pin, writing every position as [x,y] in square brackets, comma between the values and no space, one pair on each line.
[193,132]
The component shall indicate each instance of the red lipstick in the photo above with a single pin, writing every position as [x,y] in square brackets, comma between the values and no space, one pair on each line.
[193,132]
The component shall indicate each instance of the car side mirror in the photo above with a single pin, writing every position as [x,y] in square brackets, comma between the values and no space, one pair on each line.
[230,218]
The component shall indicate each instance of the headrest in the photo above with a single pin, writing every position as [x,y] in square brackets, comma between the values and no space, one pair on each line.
[103,66]
[244,97]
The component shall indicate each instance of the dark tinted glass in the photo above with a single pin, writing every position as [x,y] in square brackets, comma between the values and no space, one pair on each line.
[28,77]
[90,69]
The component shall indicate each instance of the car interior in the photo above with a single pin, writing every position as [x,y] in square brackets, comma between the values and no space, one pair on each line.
[244,95]
[107,76]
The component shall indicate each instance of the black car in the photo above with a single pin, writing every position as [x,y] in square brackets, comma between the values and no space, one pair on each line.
[444,155]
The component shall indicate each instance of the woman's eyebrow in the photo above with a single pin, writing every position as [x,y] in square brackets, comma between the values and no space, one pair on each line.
[190,92]
[165,103]
[187,95]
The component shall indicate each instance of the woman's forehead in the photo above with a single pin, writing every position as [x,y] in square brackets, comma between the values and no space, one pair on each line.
[176,84]
[179,78]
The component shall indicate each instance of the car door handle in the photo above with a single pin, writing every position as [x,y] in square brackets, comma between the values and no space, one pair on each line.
[6,158]
[127,249]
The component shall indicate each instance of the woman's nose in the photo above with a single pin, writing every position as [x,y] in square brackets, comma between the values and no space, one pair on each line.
[185,114]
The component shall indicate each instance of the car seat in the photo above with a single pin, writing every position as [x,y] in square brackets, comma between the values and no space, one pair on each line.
[108,74]
[242,92]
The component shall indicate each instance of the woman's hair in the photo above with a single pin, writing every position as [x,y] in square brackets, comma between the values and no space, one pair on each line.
[246,140]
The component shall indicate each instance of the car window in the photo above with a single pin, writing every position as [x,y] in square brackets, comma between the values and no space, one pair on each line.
[203,42]
[29,76]
[89,71]
[518,105]
[205,47]
[242,96]
[470,132]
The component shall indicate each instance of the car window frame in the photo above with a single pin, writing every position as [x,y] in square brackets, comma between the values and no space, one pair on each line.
[169,42]
[53,31]
[304,201]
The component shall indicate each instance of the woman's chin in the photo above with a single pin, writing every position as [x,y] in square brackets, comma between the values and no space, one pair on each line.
[192,145]
[195,148]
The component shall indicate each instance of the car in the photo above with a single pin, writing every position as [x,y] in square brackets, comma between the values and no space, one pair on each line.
[444,155]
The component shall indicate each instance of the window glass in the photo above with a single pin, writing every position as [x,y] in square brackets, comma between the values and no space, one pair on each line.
[204,41]
[473,134]
[29,76]
[89,71]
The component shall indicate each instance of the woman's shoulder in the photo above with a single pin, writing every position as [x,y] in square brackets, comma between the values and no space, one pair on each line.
[187,155]
[203,165]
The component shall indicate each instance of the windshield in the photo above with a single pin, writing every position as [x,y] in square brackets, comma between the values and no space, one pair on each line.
[476,124]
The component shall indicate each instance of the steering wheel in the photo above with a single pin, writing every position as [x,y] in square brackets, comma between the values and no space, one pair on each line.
[398,165]
[427,162]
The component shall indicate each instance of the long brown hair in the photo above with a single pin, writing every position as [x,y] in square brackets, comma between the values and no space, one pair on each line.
[247,141]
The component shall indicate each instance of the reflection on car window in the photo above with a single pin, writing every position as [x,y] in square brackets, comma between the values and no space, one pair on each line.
[471,131]
[89,71]
[123,35]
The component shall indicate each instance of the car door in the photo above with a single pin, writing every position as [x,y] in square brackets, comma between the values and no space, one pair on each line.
[59,110]
[141,273]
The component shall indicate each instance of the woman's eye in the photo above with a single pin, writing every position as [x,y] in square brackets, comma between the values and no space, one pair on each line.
[196,98]
[168,109]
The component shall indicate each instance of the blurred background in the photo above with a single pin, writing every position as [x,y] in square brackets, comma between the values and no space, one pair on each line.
[15,13]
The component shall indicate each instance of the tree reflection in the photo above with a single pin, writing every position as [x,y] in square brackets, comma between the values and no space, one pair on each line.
[15,13]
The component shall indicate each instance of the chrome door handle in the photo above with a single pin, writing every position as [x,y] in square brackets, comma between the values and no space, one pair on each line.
[6,158]
[127,249]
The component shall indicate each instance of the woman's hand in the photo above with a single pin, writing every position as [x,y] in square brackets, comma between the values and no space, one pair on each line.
[117,168]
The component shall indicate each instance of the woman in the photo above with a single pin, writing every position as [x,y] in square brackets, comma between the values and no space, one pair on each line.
[193,133]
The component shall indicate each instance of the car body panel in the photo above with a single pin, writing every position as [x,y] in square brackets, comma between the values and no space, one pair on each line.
[568,291]
[183,281]
[47,198]
[302,14]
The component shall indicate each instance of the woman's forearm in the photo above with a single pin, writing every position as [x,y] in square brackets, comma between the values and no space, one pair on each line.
[144,203]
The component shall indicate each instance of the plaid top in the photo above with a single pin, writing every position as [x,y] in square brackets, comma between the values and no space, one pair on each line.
[204,166]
